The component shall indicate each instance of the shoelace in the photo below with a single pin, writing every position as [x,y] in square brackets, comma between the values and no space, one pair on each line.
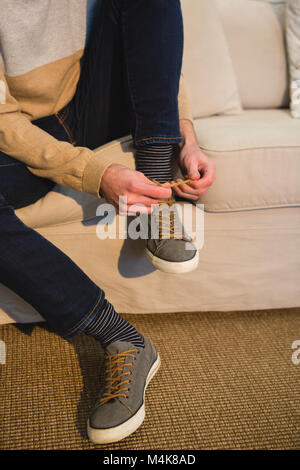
[166,221]
[116,363]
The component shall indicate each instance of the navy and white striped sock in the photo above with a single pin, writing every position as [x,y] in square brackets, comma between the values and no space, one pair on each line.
[108,327]
[155,161]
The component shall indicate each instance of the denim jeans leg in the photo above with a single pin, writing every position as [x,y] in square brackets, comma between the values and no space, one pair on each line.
[153,44]
[33,267]
[101,109]
[18,185]
[44,276]
[130,74]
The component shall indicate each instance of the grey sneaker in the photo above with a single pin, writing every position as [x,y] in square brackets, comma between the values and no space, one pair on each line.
[166,247]
[121,409]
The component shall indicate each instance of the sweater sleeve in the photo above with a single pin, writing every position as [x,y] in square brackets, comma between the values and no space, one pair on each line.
[76,167]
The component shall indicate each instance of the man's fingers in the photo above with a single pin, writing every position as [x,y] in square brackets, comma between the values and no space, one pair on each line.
[166,185]
[207,179]
[193,171]
[187,188]
[196,184]
[146,201]
[150,190]
[201,184]
[181,193]
[152,182]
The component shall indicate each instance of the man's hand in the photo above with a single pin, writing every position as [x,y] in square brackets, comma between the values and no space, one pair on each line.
[119,180]
[194,164]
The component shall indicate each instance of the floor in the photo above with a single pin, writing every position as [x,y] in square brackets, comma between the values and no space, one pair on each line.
[227,381]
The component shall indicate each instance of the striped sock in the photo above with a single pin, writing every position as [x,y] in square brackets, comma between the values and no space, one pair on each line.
[155,161]
[108,327]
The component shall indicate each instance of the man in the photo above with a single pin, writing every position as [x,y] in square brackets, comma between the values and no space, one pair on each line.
[61,96]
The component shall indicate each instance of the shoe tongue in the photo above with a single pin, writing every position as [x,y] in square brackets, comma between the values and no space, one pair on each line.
[118,347]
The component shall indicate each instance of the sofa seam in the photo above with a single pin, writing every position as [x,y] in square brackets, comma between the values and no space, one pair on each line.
[250,148]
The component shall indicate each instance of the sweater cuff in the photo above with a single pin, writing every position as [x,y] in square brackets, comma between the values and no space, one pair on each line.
[119,152]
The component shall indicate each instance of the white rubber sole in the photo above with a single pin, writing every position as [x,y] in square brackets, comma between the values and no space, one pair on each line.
[106,436]
[173,267]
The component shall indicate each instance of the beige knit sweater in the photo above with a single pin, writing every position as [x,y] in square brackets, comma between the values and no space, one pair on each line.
[41,43]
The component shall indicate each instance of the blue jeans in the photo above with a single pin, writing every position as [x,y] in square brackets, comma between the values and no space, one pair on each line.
[129,84]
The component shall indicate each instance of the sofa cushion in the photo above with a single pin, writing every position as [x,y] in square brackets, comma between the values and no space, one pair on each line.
[257,155]
[279,7]
[257,47]
[239,268]
[207,64]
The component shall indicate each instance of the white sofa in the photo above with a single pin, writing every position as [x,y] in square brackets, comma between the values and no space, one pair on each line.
[251,253]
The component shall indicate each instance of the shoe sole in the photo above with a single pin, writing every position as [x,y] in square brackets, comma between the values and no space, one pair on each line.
[117,433]
[173,267]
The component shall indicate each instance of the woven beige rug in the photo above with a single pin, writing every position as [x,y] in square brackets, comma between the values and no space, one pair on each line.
[227,381]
